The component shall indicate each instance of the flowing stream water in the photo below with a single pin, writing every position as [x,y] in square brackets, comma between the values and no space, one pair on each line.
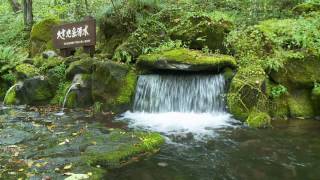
[204,142]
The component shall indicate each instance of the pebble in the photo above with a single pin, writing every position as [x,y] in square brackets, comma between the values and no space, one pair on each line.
[162,164]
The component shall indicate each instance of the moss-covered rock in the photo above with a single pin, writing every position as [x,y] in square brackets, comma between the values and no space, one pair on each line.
[35,91]
[258,120]
[150,34]
[201,31]
[307,7]
[25,71]
[41,36]
[300,104]
[247,92]
[3,88]
[185,60]
[113,85]
[298,73]
[83,66]
[140,143]
[316,100]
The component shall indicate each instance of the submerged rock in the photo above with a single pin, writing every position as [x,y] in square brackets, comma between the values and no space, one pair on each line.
[185,60]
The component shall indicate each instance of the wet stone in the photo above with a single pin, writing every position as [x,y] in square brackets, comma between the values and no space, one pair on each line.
[13,136]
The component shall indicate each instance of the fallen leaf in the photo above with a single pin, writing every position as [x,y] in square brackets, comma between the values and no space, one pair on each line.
[68,167]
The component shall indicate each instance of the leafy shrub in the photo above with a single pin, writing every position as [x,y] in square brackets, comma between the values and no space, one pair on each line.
[278,91]
[10,58]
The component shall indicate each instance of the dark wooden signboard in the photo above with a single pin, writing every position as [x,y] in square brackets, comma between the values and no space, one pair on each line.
[79,34]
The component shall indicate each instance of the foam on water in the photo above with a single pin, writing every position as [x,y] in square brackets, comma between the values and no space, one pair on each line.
[179,105]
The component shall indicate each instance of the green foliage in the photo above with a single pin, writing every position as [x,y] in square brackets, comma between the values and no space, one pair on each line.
[273,42]
[10,58]
[278,91]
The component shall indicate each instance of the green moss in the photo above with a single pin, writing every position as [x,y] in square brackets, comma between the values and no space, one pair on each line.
[71,100]
[201,30]
[143,143]
[316,99]
[300,104]
[60,93]
[258,120]
[41,36]
[186,56]
[307,7]
[279,107]
[127,90]
[10,99]
[83,66]
[42,93]
[26,71]
[247,91]
[42,30]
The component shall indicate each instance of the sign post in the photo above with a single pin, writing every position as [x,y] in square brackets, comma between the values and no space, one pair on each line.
[66,37]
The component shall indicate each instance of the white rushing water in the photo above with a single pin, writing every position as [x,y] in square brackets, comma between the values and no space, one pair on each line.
[178,105]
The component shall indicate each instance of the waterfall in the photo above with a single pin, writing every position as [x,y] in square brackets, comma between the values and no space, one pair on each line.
[179,105]
[169,93]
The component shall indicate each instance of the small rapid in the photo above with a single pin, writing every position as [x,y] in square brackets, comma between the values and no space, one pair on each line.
[179,105]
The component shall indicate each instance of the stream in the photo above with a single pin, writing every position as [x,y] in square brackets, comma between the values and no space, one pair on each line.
[289,150]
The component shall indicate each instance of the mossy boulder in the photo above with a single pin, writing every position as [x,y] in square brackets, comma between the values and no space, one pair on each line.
[185,60]
[298,73]
[80,95]
[41,36]
[83,66]
[150,34]
[3,88]
[307,7]
[316,100]
[247,92]
[259,120]
[109,156]
[201,30]
[35,91]
[113,84]
[25,71]
[279,107]
[300,104]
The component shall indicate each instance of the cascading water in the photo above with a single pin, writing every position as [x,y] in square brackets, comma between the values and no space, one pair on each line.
[197,94]
[179,104]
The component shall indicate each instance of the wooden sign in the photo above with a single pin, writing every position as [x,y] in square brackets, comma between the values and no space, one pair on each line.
[78,34]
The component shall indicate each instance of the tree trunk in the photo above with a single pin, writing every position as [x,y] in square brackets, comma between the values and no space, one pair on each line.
[15,5]
[28,15]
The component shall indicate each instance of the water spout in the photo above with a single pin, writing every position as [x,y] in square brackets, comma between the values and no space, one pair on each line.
[73,86]
[9,90]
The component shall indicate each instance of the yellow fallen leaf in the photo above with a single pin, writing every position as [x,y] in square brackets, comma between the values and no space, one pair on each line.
[20,170]
[68,167]
[89,173]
